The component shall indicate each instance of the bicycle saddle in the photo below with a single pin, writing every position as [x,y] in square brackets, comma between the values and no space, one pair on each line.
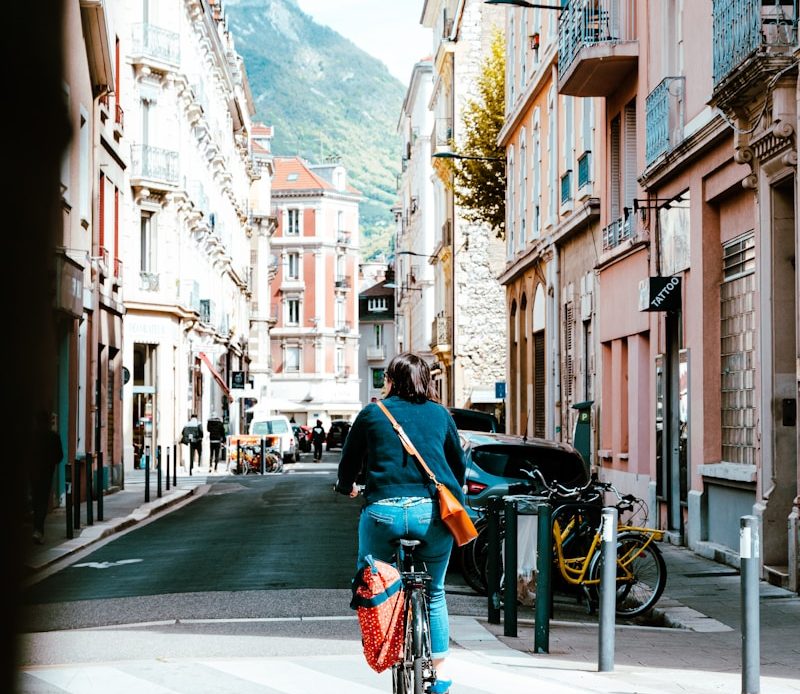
[408,543]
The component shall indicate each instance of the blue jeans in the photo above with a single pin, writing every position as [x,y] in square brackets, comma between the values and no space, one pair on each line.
[384,522]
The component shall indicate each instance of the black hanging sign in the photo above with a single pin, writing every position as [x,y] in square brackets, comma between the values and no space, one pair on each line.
[660,294]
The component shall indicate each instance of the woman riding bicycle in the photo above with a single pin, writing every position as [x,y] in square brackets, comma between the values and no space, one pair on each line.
[399,497]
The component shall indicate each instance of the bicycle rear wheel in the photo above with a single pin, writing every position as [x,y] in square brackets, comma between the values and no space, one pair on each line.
[641,574]
[403,672]
[421,640]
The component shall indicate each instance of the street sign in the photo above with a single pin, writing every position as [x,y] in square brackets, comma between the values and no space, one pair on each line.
[660,294]
[500,390]
[237,379]
[126,375]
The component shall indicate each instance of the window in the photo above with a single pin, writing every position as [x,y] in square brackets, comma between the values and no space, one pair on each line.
[377,378]
[377,303]
[293,266]
[291,358]
[378,335]
[147,245]
[293,222]
[340,368]
[292,311]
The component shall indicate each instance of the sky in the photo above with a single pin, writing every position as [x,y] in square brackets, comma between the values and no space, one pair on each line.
[389,30]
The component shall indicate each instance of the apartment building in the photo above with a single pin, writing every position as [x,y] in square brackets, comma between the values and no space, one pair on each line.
[377,341]
[314,292]
[693,305]
[415,264]
[186,234]
[468,332]
[552,213]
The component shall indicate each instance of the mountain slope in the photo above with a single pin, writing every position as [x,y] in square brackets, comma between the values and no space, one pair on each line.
[325,97]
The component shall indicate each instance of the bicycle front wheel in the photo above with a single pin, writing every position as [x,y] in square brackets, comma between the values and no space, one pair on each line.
[403,672]
[641,574]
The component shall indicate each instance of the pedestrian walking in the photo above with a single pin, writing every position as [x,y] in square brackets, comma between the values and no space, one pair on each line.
[318,438]
[399,496]
[192,434]
[48,453]
[216,435]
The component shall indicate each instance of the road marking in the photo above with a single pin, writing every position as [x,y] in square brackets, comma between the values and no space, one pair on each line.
[94,679]
[106,564]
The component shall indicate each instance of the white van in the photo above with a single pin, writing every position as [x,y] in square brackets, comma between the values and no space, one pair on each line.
[277,425]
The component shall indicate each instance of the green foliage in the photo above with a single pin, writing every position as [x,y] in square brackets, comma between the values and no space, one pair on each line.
[480,185]
[325,98]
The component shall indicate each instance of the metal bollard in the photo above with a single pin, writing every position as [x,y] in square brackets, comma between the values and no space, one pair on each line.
[76,505]
[147,473]
[68,500]
[608,589]
[493,560]
[158,471]
[510,570]
[239,457]
[174,465]
[166,449]
[749,560]
[544,562]
[263,455]
[100,486]
[89,495]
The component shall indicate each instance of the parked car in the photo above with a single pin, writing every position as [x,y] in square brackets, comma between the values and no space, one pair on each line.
[337,433]
[497,465]
[277,425]
[303,435]
[474,420]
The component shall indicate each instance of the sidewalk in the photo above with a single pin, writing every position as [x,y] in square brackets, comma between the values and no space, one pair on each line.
[698,649]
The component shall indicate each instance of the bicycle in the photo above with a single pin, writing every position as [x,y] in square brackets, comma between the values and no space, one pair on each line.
[415,668]
[641,571]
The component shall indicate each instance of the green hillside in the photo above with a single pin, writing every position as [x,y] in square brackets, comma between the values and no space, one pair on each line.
[325,97]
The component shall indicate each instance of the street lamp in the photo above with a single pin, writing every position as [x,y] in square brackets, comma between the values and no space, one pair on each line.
[524,3]
[447,154]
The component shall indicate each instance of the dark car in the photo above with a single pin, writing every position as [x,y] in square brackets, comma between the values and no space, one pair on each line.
[474,420]
[337,433]
[497,465]
[303,435]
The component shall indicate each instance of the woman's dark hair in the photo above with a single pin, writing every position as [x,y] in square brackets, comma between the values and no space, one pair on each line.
[411,378]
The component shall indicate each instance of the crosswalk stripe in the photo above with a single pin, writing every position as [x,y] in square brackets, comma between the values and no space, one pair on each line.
[291,678]
[94,679]
[498,680]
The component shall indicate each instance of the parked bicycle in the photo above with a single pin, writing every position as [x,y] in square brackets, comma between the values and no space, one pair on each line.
[641,571]
[414,673]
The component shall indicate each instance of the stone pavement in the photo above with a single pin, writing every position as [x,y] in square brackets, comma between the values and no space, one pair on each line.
[697,650]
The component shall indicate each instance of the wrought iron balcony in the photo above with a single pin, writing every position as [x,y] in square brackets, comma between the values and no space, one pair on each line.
[597,45]
[149,281]
[342,282]
[752,40]
[153,165]
[664,118]
[619,231]
[152,43]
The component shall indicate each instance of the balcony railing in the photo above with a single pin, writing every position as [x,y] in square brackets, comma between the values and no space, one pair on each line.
[343,238]
[443,133]
[342,327]
[743,27]
[154,163]
[154,42]
[148,281]
[617,232]
[342,282]
[664,118]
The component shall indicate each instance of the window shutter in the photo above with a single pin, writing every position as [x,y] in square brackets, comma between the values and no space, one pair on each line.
[630,156]
[538,384]
[616,183]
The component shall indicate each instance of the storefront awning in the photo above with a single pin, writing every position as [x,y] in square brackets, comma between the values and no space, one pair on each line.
[217,377]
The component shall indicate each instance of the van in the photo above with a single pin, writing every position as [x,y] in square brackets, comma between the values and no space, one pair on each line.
[277,425]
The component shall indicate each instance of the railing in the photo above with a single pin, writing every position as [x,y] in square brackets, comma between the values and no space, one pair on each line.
[154,42]
[342,327]
[584,169]
[617,232]
[342,282]
[343,238]
[590,22]
[664,118]
[155,163]
[566,187]
[742,27]
[443,133]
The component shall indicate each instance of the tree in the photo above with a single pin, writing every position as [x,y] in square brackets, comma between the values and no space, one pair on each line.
[480,184]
